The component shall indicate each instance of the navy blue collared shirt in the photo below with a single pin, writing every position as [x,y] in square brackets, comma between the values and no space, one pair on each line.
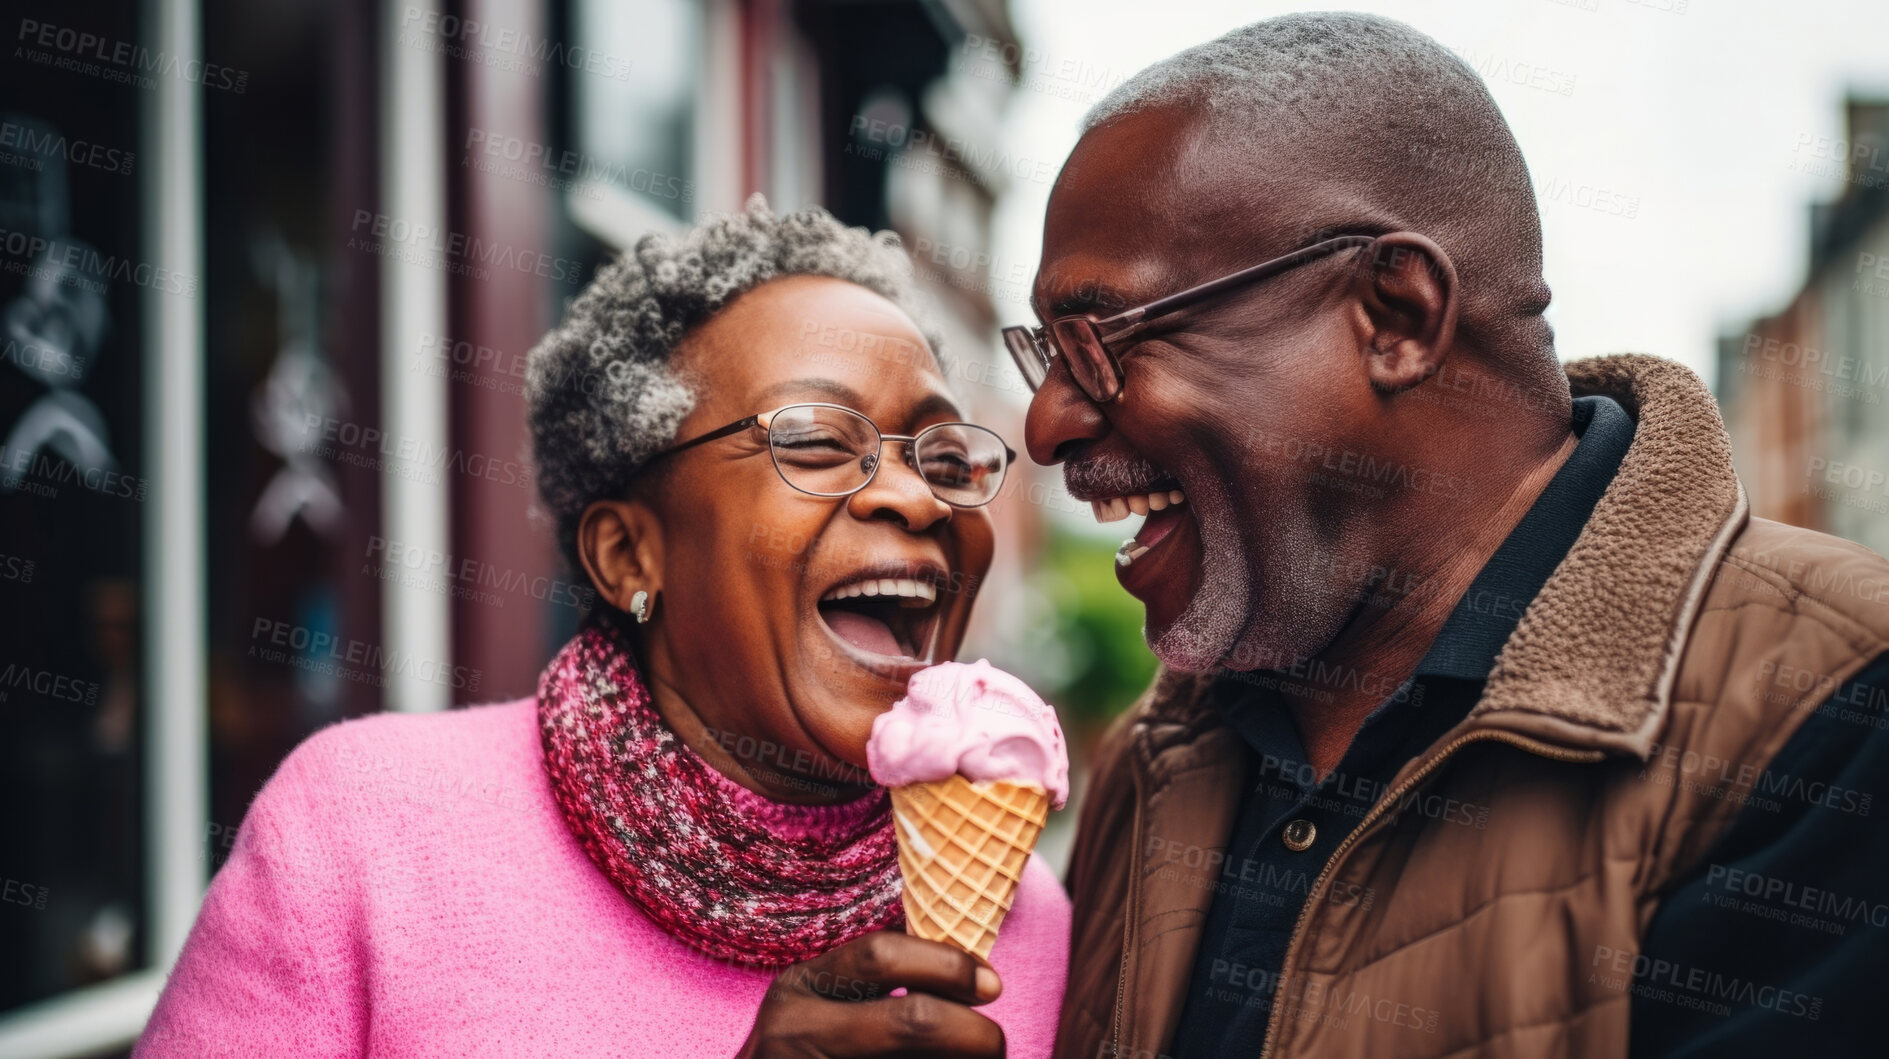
[1289,824]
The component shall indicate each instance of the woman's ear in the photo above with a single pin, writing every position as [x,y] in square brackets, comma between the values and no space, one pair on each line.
[620,543]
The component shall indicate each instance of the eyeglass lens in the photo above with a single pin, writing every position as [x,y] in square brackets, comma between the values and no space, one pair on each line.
[1075,339]
[830,451]
[1030,359]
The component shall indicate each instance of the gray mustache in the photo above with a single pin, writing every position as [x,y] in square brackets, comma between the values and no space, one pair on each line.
[1100,476]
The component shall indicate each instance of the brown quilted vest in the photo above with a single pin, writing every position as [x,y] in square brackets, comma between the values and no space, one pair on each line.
[1492,901]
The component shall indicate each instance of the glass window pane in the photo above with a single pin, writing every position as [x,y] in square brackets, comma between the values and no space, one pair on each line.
[72,486]
[634,120]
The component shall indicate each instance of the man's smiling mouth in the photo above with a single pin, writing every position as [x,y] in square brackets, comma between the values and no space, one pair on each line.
[1119,484]
[887,615]
[1162,505]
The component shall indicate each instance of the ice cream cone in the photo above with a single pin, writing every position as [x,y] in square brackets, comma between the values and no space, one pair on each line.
[962,847]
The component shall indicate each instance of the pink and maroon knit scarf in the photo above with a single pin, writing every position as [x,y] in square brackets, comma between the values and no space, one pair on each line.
[733,873]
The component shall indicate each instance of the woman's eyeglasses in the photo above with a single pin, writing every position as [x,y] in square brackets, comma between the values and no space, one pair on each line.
[831,450]
[1087,344]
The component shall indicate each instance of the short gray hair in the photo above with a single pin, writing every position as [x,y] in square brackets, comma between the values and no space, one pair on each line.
[601,393]
[1398,122]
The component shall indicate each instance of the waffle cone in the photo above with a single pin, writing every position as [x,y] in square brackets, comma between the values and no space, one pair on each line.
[962,847]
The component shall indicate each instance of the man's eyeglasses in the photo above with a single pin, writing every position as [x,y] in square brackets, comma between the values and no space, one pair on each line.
[831,450]
[1089,344]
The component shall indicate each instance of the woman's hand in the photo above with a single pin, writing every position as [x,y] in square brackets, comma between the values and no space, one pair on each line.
[840,1004]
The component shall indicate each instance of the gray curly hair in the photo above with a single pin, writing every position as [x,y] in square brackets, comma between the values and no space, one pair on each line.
[601,394]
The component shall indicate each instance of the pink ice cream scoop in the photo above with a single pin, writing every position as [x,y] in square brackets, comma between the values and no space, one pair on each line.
[976,720]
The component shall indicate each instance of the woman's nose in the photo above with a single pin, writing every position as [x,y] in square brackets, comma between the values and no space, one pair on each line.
[897,491]
[1061,418]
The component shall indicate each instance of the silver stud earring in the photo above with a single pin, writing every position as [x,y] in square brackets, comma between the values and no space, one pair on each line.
[639,606]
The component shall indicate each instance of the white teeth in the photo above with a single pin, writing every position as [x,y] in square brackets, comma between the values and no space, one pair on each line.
[1129,551]
[901,587]
[1117,508]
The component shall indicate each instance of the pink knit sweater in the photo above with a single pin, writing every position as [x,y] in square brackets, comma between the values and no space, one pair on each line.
[405,886]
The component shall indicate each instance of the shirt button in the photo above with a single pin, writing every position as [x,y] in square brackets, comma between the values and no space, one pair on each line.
[1299,835]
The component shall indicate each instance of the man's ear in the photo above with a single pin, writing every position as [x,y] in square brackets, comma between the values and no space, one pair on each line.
[620,543]
[1407,288]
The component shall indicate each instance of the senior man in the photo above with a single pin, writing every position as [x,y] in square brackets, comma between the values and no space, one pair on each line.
[1491,723]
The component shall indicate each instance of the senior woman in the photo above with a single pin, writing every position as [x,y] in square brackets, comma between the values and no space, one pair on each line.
[748,445]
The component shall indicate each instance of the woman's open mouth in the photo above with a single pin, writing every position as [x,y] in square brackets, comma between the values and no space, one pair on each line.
[887,615]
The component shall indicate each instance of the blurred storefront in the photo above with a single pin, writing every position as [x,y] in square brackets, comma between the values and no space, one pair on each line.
[1803,390]
[273,271]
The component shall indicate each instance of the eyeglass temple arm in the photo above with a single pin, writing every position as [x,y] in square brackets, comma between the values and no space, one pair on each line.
[721,432]
[1125,324]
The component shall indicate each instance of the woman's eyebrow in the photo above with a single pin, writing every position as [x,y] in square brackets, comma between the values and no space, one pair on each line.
[840,393]
[936,404]
[837,391]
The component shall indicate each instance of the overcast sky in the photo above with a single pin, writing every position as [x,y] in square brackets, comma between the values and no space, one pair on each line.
[1692,120]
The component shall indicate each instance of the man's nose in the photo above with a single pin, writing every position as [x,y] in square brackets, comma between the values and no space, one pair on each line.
[1061,418]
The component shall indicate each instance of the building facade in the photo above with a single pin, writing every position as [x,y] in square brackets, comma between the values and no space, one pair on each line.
[1805,391]
[272,275]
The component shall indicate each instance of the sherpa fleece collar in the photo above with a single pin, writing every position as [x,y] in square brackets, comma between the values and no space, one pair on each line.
[1591,665]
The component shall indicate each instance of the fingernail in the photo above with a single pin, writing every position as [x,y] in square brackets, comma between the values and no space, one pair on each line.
[988,984]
